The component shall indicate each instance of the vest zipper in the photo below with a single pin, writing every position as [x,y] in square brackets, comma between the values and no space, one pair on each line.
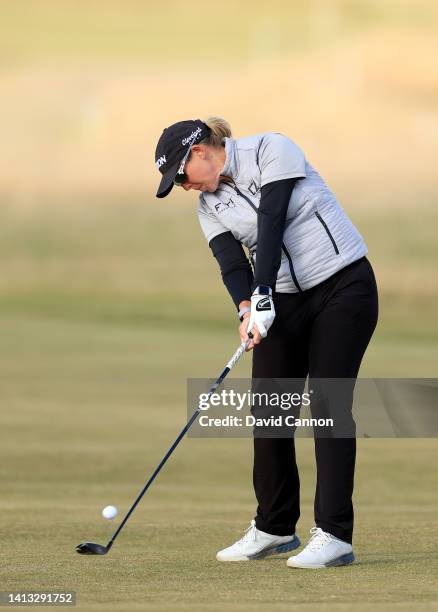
[324,225]
[291,267]
[283,246]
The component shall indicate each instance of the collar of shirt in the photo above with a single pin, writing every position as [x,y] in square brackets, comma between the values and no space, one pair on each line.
[231,166]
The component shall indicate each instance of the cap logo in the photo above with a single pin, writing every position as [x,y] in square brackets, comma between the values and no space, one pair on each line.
[160,161]
[192,137]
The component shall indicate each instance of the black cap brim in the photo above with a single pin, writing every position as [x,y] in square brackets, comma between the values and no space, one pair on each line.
[166,183]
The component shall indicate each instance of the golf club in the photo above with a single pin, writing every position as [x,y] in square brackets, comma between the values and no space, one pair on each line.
[89,548]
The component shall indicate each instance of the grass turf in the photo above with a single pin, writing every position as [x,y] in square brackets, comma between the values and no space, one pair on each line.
[93,366]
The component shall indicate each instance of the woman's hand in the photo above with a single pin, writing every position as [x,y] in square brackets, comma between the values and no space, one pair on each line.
[244,335]
[244,326]
[243,332]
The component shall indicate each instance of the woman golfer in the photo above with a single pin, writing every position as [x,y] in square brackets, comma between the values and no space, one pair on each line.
[309,299]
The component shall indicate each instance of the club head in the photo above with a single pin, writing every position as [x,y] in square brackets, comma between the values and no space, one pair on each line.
[88,548]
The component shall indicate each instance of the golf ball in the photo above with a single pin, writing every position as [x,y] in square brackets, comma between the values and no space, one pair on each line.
[110,512]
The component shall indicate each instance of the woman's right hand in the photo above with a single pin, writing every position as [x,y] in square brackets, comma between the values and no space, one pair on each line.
[243,333]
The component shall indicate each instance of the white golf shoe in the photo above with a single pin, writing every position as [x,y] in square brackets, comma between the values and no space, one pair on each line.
[323,550]
[256,544]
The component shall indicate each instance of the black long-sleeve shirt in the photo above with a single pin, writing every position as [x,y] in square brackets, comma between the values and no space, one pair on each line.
[236,271]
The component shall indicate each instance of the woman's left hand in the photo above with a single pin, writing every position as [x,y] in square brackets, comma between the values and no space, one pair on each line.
[262,315]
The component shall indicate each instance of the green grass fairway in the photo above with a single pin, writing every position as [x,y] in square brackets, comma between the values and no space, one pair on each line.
[98,337]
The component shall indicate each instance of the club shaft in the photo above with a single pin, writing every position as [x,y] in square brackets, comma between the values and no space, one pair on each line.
[234,359]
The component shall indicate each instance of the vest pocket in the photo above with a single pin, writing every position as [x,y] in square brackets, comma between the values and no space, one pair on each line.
[324,225]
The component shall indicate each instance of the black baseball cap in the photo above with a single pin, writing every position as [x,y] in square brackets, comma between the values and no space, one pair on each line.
[173,146]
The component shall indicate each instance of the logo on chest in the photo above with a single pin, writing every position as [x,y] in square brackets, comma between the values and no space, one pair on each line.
[253,187]
[223,206]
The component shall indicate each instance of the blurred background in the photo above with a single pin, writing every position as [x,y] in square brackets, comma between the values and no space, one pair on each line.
[87,88]
[110,298]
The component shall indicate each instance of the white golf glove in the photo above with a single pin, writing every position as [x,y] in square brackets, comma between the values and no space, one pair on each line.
[262,310]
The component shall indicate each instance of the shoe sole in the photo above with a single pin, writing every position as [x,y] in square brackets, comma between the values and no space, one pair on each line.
[343,560]
[273,550]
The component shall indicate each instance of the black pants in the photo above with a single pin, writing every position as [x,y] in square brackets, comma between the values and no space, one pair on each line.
[321,333]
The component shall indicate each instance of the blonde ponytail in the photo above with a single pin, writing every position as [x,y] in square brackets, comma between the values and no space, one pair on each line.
[220,128]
